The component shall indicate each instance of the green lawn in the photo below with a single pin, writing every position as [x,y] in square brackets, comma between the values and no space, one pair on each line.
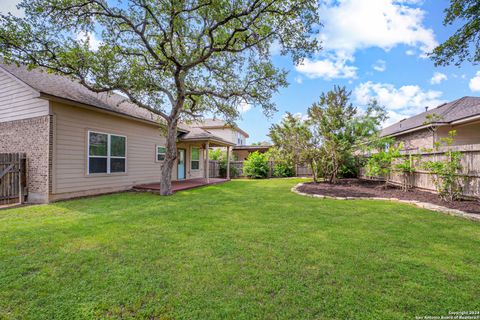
[241,250]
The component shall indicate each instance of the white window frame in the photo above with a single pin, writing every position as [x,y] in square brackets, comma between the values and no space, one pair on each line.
[191,160]
[108,156]
[157,153]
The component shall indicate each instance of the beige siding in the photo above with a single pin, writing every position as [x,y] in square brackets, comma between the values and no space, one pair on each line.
[466,133]
[227,134]
[18,101]
[70,151]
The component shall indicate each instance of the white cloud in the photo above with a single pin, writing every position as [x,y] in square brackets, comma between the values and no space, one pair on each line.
[357,24]
[400,102]
[351,25]
[474,83]
[438,77]
[298,79]
[244,107]
[327,68]
[93,42]
[410,52]
[300,116]
[380,65]
[11,6]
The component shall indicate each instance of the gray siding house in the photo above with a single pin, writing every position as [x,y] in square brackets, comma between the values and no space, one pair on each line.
[81,143]
[462,115]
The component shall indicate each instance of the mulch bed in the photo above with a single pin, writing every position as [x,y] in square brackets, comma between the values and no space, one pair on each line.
[368,188]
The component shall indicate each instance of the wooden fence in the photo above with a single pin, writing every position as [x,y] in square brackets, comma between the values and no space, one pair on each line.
[469,176]
[236,170]
[13,178]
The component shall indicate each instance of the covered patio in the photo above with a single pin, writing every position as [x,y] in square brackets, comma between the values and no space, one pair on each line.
[205,140]
[180,185]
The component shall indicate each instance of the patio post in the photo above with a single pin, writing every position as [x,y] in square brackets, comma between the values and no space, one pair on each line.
[228,162]
[207,162]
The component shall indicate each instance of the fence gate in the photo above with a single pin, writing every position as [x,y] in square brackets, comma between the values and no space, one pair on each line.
[13,180]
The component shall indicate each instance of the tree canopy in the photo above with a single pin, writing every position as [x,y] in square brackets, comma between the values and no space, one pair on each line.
[464,44]
[328,138]
[185,58]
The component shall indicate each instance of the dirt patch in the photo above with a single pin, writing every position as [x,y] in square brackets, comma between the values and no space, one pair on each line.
[367,188]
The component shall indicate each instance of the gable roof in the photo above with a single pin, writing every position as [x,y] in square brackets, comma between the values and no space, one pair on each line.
[199,134]
[217,124]
[451,112]
[62,87]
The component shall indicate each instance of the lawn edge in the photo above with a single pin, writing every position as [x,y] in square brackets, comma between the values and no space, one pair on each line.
[423,205]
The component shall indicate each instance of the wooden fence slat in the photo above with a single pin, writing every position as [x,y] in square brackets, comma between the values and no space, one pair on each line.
[12,177]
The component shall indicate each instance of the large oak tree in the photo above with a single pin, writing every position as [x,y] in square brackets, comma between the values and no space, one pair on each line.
[184,58]
[464,44]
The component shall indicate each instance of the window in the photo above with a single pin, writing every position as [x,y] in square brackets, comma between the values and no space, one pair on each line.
[106,153]
[240,140]
[195,159]
[161,150]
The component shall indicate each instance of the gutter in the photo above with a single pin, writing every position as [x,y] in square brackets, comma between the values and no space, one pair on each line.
[467,119]
[438,124]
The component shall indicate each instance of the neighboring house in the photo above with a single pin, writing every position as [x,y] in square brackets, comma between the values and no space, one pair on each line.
[233,134]
[80,143]
[462,115]
[224,130]
[241,153]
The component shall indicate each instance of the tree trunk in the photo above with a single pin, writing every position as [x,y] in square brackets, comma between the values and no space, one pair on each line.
[172,123]
[170,157]
[314,172]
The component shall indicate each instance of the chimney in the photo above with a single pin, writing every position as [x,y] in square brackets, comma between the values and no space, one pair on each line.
[426,109]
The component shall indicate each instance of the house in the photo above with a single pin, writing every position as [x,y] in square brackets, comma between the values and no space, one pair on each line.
[226,131]
[233,134]
[462,115]
[418,136]
[241,153]
[81,143]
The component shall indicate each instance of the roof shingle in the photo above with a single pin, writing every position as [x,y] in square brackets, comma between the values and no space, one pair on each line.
[65,88]
[449,112]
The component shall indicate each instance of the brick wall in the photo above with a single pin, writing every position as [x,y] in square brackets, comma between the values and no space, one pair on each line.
[32,137]
[417,140]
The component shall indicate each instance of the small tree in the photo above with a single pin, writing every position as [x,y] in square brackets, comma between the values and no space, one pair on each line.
[381,162]
[445,171]
[338,130]
[256,166]
[293,143]
[407,168]
[432,122]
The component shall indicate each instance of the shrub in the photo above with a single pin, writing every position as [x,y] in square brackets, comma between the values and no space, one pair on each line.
[223,169]
[445,172]
[256,166]
[221,156]
[283,170]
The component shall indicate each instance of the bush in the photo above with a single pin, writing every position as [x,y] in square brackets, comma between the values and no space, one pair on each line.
[223,169]
[221,156]
[283,170]
[256,166]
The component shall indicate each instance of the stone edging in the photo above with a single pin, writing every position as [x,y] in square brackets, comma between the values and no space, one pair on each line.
[424,205]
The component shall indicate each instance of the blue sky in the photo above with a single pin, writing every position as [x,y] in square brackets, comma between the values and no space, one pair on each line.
[376,48]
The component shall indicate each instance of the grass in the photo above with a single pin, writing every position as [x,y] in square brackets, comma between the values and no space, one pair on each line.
[241,250]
